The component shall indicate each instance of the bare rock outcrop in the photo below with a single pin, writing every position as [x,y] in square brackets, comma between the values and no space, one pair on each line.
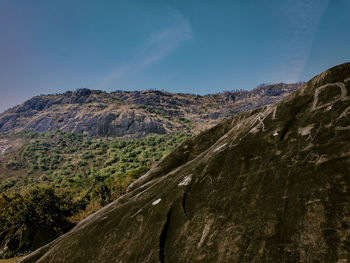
[268,185]
[136,113]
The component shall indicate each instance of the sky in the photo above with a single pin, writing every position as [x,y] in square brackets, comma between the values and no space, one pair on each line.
[190,46]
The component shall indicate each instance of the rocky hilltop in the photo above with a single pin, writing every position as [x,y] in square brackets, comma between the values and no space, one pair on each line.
[137,113]
[268,185]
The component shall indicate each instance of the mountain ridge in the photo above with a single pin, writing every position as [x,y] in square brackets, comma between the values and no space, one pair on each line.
[135,113]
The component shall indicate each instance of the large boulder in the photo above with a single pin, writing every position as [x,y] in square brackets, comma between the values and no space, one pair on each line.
[269,185]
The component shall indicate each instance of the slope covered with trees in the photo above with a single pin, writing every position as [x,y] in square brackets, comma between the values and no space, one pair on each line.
[55,180]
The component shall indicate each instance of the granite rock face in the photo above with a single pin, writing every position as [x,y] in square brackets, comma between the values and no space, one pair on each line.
[269,185]
[136,114]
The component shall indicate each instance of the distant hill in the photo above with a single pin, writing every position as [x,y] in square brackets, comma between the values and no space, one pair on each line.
[134,114]
[268,185]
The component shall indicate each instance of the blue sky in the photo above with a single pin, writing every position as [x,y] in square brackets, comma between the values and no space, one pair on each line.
[195,46]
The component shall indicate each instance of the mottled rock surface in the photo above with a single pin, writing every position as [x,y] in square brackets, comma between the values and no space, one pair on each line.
[135,114]
[269,185]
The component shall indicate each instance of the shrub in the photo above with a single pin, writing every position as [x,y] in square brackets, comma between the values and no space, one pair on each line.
[8,183]
[13,165]
[40,207]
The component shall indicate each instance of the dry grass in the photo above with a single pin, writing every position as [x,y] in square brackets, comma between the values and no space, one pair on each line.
[90,209]
[10,260]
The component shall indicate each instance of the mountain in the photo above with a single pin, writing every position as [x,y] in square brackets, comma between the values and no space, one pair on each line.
[134,114]
[103,143]
[268,185]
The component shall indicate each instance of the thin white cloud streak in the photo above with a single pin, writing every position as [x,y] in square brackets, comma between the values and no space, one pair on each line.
[304,17]
[157,46]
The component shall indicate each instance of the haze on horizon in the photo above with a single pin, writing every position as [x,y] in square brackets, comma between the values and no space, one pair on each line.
[175,45]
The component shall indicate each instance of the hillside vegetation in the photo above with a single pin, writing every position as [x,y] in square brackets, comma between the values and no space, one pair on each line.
[68,176]
[72,161]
